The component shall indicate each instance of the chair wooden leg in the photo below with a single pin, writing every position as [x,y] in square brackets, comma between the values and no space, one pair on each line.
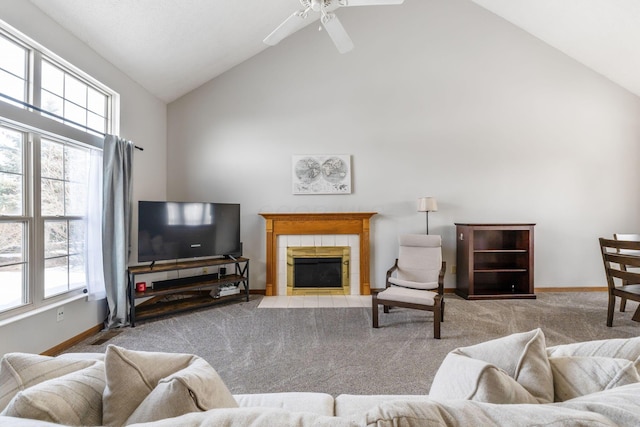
[386,308]
[442,312]
[623,304]
[437,315]
[610,309]
[374,310]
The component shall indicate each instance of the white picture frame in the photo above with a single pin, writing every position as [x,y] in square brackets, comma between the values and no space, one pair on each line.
[321,173]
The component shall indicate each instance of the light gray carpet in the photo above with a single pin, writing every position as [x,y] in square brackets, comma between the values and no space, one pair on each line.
[335,350]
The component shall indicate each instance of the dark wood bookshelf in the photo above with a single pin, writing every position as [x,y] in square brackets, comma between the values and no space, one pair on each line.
[494,261]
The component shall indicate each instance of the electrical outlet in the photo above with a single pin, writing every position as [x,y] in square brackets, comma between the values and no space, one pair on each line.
[453,269]
[205,270]
[60,314]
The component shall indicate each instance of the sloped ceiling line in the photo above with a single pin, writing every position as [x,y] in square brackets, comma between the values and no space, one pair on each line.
[171,47]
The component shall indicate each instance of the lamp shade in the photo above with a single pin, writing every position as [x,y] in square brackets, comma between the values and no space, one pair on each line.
[427,204]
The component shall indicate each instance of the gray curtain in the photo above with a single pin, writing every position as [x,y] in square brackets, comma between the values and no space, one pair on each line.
[116,226]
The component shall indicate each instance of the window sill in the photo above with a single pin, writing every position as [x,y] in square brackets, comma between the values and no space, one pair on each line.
[41,309]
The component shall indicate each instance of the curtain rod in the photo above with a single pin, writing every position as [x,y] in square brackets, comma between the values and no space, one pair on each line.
[48,113]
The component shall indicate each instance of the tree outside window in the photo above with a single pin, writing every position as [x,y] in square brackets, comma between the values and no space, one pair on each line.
[12,227]
[63,188]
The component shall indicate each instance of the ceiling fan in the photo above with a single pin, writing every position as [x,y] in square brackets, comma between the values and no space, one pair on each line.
[328,18]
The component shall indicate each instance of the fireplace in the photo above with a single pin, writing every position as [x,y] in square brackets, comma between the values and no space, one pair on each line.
[347,226]
[318,270]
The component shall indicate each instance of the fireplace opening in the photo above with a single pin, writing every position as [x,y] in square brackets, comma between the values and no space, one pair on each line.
[317,272]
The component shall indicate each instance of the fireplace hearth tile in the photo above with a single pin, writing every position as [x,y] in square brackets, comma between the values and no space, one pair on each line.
[339,301]
[311,301]
[316,301]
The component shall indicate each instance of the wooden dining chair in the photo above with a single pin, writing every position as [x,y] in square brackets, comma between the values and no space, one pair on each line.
[621,263]
[633,238]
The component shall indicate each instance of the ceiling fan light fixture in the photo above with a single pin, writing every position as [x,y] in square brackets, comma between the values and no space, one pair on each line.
[316,5]
[328,19]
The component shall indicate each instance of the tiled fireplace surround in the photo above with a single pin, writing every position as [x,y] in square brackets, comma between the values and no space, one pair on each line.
[317,229]
[286,241]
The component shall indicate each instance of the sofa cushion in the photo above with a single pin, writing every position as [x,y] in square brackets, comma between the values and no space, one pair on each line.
[24,422]
[19,371]
[575,376]
[317,403]
[81,356]
[512,369]
[468,413]
[621,405]
[348,405]
[395,293]
[147,386]
[72,399]
[251,417]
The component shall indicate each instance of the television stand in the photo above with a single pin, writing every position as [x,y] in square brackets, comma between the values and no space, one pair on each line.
[186,293]
[182,281]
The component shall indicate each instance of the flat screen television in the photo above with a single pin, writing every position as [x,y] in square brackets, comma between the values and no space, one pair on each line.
[177,230]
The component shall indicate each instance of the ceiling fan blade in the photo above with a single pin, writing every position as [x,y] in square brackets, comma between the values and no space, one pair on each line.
[346,3]
[337,33]
[290,25]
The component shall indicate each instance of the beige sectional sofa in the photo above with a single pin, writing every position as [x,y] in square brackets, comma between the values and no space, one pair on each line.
[515,380]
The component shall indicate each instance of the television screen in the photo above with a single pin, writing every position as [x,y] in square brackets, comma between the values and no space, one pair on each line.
[176,230]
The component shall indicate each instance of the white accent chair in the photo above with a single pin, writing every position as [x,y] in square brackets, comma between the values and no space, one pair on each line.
[416,280]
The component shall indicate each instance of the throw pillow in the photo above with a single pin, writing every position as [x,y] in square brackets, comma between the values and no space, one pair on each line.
[72,399]
[148,386]
[512,369]
[460,377]
[579,376]
[19,371]
[619,348]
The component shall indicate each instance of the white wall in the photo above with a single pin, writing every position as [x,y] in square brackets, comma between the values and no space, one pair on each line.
[143,120]
[439,98]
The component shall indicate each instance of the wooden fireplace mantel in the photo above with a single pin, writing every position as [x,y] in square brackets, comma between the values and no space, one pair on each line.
[317,223]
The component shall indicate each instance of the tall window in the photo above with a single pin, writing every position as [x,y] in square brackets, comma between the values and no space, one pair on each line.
[13,222]
[44,171]
[13,68]
[63,196]
[69,97]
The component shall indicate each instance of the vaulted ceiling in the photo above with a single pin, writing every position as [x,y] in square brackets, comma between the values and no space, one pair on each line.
[171,47]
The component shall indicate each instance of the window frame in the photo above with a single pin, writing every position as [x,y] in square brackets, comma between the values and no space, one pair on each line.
[37,91]
[28,59]
[41,121]
[36,126]
[65,217]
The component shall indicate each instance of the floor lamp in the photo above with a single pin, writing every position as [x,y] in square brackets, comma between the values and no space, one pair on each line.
[427,204]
